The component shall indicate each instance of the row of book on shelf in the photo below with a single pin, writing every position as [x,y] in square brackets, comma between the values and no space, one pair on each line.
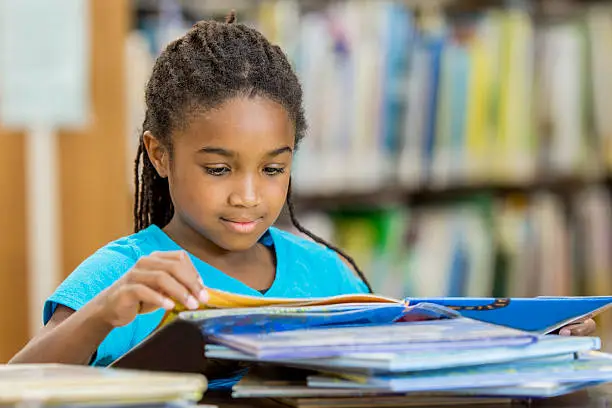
[492,95]
[392,97]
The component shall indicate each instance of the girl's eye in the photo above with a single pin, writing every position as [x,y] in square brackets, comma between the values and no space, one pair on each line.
[217,171]
[273,171]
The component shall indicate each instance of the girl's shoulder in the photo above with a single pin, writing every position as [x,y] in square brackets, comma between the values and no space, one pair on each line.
[301,247]
[100,270]
[111,261]
[132,247]
[315,270]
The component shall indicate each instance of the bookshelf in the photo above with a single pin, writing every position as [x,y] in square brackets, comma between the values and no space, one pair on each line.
[462,148]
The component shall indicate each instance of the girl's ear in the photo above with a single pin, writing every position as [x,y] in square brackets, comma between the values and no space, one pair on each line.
[158,154]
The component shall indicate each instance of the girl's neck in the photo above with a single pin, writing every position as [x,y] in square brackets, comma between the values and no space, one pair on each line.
[255,267]
[203,248]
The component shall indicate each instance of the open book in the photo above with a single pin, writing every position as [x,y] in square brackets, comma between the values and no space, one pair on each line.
[178,343]
[219,299]
[540,315]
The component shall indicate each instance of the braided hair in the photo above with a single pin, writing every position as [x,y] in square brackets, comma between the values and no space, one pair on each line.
[212,63]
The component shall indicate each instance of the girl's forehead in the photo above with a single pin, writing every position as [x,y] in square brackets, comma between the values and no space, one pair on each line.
[241,123]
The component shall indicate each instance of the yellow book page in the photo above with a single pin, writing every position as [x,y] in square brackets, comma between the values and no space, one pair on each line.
[219,299]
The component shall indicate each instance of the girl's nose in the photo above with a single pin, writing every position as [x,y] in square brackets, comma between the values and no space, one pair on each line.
[245,193]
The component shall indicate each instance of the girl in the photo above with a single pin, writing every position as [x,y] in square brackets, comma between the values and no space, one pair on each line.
[224,119]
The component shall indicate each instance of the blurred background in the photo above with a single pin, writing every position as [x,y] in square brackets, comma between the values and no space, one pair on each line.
[456,148]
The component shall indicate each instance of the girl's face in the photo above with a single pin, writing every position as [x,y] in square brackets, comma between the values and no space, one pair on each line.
[230,169]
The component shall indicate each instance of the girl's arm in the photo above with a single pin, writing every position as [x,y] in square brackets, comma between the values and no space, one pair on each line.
[73,337]
[69,337]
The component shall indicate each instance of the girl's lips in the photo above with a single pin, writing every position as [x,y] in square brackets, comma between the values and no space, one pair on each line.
[242,227]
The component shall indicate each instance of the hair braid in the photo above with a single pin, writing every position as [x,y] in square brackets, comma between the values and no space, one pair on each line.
[315,238]
[137,186]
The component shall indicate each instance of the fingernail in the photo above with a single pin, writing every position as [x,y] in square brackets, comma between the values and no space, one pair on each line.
[565,332]
[168,304]
[203,296]
[191,302]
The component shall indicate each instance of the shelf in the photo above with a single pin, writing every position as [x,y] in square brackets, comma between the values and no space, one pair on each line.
[389,196]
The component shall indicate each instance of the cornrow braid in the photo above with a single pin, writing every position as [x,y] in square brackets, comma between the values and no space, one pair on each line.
[211,64]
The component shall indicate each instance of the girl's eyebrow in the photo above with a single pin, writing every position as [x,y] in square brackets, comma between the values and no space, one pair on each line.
[228,153]
[217,150]
[280,150]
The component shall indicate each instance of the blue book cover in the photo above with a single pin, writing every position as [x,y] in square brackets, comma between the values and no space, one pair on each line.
[397,40]
[263,320]
[540,315]
[459,266]
[278,319]
[434,45]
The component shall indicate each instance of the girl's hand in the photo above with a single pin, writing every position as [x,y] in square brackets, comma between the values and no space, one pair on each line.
[585,328]
[156,281]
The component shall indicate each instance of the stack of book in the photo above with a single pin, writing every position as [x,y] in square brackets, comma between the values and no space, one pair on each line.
[445,356]
[72,386]
[365,345]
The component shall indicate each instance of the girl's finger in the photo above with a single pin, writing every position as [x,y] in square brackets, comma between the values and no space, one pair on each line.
[579,329]
[181,268]
[149,299]
[163,282]
[587,328]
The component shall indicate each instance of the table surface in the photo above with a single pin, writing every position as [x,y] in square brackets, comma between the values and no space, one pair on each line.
[599,396]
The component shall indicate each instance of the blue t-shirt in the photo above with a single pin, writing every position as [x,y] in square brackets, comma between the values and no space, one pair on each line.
[303,269]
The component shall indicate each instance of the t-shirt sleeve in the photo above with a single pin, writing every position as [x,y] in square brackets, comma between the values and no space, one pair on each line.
[91,277]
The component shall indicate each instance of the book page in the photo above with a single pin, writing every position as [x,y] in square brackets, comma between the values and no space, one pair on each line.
[223,300]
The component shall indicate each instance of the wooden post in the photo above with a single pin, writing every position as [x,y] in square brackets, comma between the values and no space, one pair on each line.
[95,202]
[96,206]
[13,250]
